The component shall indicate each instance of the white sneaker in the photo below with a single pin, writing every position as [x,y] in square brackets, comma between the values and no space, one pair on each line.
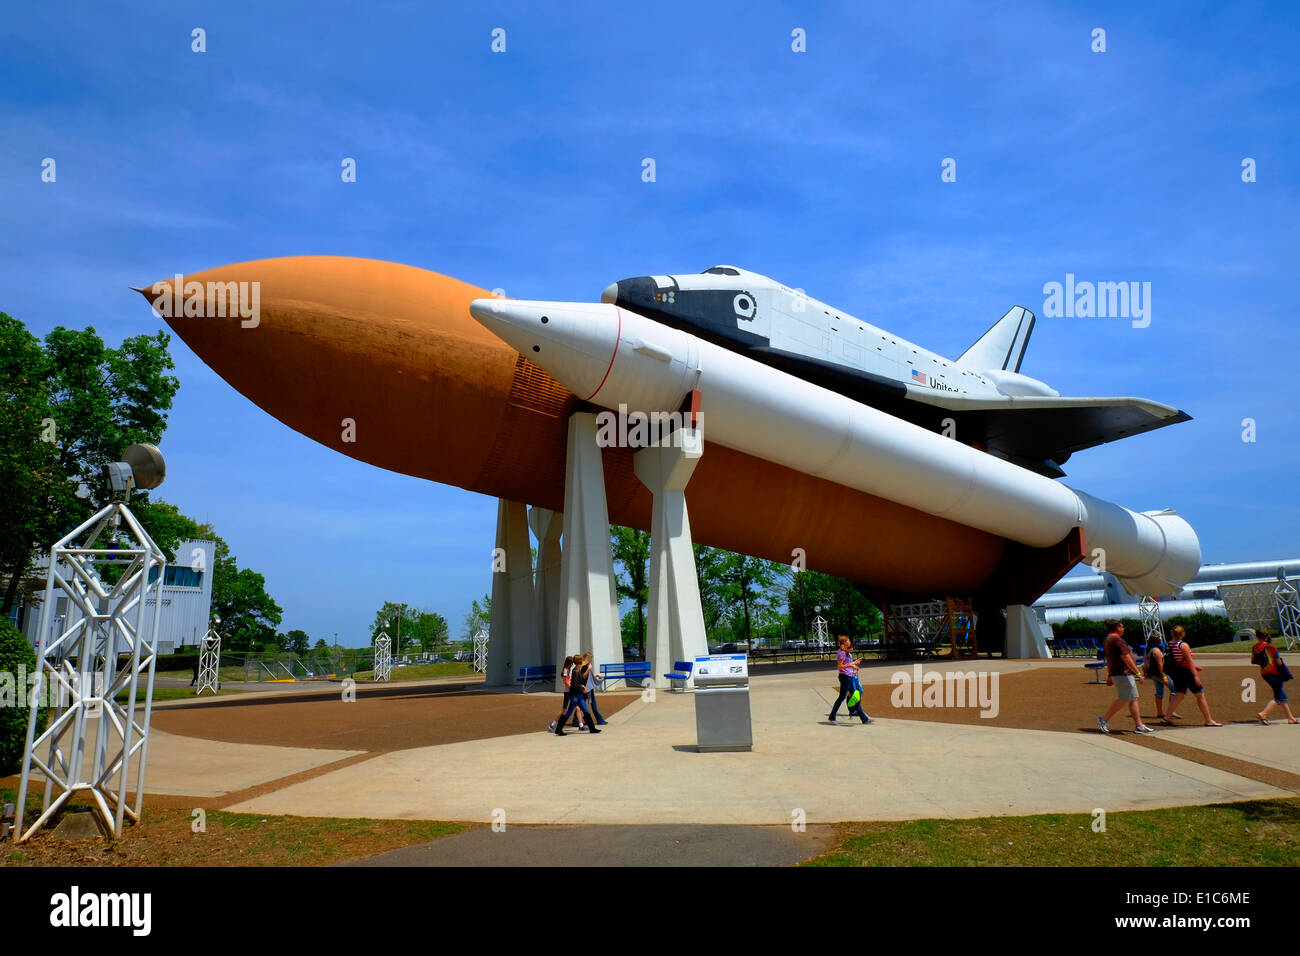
[1144,729]
[1102,725]
[552,726]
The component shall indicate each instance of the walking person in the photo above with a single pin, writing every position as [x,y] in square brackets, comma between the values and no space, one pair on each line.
[848,674]
[576,699]
[1122,672]
[1181,666]
[1154,670]
[1275,673]
[593,679]
[566,675]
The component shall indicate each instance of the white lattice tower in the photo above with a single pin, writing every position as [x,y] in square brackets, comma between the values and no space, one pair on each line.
[1152,626]
[91,738]
[480,651]
[1287,601]
[209,662]
[821,631]
[383,657]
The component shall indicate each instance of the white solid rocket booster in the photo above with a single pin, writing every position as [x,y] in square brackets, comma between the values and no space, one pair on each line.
[611,356]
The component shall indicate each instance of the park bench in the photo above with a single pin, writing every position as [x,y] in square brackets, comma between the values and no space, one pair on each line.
[537,674]
[627,671]
[1096,667]
[907,649]
[681,673]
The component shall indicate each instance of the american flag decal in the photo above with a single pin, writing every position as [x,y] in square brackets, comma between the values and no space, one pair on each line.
[918,376]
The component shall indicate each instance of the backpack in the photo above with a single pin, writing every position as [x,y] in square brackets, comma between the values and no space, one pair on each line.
[1149,665]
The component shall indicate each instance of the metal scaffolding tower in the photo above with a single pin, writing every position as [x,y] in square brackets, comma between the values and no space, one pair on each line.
[111,573]
[209,662]
[1152,626]
[1287,602]
[383,657]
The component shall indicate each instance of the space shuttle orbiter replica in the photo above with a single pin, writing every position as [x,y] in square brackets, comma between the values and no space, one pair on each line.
[980,397]
[823,436]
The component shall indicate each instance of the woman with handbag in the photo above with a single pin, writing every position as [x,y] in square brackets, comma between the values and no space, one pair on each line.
[850,686]
[1275,673]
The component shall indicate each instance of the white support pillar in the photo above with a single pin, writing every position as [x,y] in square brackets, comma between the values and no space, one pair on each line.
[589,604]
[675,630]
[513,641]
[1027,635]
[547,526]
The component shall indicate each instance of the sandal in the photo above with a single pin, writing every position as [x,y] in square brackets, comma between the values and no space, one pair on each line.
[1213,723]
[1167,723]
[1262,719]
[1292,720]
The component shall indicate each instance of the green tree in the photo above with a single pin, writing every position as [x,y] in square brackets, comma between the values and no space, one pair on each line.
[420,629]
[248,615]
[749,587]
[478,618]
[632,551]
[71,406]
[296,641]
[168,527]
[16,659]
[708,572]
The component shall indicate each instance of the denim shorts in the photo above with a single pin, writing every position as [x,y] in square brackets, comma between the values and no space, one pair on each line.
[1278,685]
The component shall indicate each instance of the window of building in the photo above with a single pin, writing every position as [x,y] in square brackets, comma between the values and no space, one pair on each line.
[178,576]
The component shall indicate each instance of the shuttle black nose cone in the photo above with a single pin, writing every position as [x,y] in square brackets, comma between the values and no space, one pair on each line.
[632,293]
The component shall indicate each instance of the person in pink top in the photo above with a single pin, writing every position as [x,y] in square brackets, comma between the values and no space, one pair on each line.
[848,672]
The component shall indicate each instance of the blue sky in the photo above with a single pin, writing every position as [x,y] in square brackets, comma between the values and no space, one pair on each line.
[522,170]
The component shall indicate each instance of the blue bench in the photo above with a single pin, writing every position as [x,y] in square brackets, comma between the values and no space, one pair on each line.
[681,672]
[538,674]
[627,671]
[1096,667]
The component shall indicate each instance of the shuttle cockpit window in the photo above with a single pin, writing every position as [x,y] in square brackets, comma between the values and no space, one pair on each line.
[721,271]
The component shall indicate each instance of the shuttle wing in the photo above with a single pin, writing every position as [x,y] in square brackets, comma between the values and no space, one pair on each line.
[1036,431]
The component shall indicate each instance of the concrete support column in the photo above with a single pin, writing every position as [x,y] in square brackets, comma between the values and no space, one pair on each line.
[513,640]
[589,604]
[1027,636]
[675,629]
[547,526]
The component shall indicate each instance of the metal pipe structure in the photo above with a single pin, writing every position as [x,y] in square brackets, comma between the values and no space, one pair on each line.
[616,358]
[1072,599]
[1105,612]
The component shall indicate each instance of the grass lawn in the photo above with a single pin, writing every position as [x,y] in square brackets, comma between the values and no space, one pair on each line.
[167,838]
[1234,647]
[1253,833]
[423,671]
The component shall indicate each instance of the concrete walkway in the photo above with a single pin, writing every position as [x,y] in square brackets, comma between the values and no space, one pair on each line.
[682,845]
[645,769]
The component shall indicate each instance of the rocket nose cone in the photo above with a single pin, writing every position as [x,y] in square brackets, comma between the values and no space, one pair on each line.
[574,341]
[610,295]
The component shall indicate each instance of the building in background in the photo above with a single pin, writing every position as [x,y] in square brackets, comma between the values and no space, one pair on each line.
[186,597]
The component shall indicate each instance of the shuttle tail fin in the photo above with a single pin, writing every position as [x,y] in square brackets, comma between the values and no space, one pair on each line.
[1002,346]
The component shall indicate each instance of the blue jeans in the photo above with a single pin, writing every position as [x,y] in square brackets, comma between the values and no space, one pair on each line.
[846,687]
[574,702]
[591,699]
